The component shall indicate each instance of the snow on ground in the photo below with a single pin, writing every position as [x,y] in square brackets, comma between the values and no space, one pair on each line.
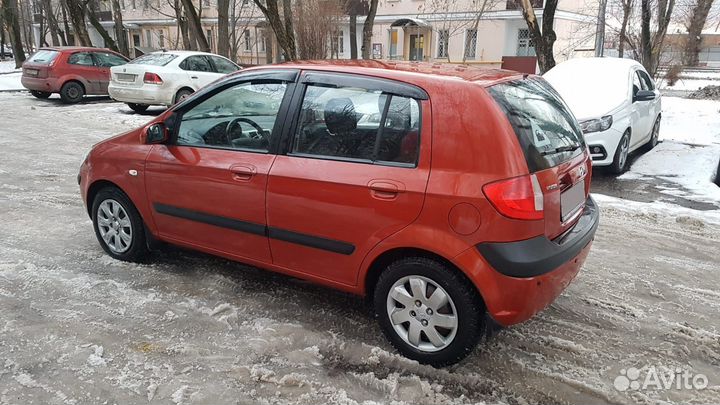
[78,327]
[688,155]
[691,80]
[9,76]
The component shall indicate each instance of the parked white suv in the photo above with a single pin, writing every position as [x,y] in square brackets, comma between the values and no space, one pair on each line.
[616,103]
[165,77]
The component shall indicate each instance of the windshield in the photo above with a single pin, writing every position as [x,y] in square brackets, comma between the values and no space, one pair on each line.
[43,56]
[154,59]
[546,129]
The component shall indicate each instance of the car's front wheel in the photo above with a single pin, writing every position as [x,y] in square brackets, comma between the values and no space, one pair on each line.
[138,108]
[620,159]
[118,225]
[40,94]
[654,135]
[428,311]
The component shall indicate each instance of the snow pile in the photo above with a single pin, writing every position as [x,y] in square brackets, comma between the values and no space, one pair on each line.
[7,66]
[708,92]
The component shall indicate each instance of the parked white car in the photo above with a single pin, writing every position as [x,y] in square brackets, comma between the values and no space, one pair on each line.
[616,103]
[165,77]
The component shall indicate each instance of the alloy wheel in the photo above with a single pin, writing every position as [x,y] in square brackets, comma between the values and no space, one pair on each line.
[114,226]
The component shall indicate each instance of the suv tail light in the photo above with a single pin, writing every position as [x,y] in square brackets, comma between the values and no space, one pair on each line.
[517,198]
[152,78]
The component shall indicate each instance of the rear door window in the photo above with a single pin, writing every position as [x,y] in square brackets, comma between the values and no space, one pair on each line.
[547,130]
[44,56]
[106,59]
[197,63]
[223,65]
[81,58]
[358,124]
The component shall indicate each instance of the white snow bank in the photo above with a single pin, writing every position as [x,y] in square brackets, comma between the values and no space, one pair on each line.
[8,66]
[690,121]
[658,208]
[11,81]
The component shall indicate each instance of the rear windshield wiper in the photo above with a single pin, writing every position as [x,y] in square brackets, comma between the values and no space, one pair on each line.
[560,149]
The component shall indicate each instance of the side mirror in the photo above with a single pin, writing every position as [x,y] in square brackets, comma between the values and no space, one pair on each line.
[156,133]
[644,95]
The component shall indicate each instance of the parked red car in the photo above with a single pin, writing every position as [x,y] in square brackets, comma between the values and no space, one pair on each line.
[71,71]
[444,193]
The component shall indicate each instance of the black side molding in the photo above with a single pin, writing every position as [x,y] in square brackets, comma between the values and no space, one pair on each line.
[312,241]
[540,255]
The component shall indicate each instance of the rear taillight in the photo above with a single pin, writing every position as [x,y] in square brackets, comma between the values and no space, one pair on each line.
[152,78]
[517,198]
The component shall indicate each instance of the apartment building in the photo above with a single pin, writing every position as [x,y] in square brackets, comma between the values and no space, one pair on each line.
[423,30]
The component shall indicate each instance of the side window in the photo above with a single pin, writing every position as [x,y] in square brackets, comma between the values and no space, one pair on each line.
[105,59]
[81,58]
[637,86]
[358,124]
[239,117]
[223,65]
[197,63]
[646,81]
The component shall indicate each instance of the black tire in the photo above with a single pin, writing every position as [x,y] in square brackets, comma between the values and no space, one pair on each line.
[654,135]
[620,164]
[468,307]
[40,94]
[138,108]
[182,94]
[136,249]
[72,92]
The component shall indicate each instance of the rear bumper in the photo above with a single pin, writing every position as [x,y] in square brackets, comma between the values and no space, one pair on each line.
[150,95]
[48,85]
[519,279]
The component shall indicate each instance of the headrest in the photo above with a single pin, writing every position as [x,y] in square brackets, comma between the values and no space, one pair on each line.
[340,115]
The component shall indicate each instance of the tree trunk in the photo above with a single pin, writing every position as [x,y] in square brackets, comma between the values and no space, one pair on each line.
[183,27]
[76,10]
[544,40]
[368,29]
[627,6]
[223,38]
[107,39]
[353,36]
[284,32]
[698,18]
[195,25]
[9,8]
[66,33]
[52,22]
[120,34]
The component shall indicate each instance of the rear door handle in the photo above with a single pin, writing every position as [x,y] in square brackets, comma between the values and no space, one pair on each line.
[242,172]
[385,189]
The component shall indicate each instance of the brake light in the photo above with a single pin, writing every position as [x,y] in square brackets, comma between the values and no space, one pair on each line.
[517,198]
[152,78]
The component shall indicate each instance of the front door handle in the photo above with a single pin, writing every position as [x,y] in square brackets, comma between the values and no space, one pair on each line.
[242,172]
[385,189]
[193,77]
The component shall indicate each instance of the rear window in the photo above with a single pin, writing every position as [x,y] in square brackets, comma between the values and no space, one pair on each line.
[43,56]
[547,131]
[154,59]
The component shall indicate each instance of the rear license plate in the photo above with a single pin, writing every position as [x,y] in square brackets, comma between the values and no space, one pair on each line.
[31,72]
[124,77]
[571,200]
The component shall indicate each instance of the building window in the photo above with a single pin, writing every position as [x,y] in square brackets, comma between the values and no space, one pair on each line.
[161,36]
[525,45]
[246,40]
[146,4]
[209,36]
[134,6]
[392,51]
[443,42]
[122,4]
[148,39]
[470,43]
[263,40]
[341,41]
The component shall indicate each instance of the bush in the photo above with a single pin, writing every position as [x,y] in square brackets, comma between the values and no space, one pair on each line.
[673,74]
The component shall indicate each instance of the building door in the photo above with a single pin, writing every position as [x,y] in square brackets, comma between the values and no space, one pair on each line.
[417,46]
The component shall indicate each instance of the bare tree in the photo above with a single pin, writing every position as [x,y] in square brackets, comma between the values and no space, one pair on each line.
[195,25]
[652,37]
[76,11]
[283,27]
[91,6]
[627,8]
[223,21]
[52,23]
[12,23]
[695,23]
[368,29]
[122,41]
[316,21]
[544,39]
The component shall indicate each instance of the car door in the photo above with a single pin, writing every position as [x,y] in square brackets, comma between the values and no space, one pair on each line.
[104,61]
[346,181]
[199,70]
[653,105]
[207,186]
[640,113]
[83,65]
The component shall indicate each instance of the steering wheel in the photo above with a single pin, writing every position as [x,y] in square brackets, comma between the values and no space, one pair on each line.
[236,122]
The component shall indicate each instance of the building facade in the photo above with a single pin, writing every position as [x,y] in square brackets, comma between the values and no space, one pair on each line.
[422,30]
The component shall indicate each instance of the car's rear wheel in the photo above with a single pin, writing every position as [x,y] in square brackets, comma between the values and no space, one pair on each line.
[182,94]
[40,94]
[428,311]
[655,135]
[118,225]
[622,152]
[138,108]
[72,92]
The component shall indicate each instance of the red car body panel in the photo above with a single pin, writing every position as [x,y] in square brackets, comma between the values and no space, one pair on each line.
[437,207]
[51,77]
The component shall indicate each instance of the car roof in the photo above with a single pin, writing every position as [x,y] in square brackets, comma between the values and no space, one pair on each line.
[180,52]
[412,72]
[601,63]
[74,48]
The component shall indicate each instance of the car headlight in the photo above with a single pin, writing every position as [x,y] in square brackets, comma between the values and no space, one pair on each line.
[597,124]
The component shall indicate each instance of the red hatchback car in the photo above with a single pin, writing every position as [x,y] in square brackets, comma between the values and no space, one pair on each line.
[71,71]
[455,198]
